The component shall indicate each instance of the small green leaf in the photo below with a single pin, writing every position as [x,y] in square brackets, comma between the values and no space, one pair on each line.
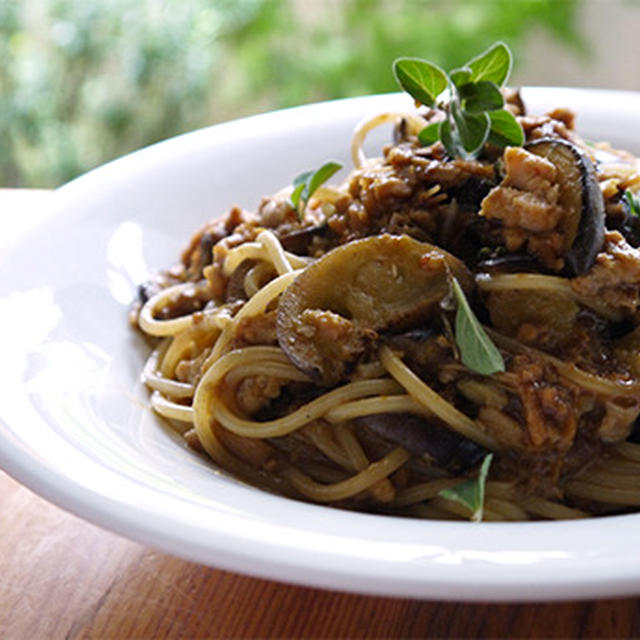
[295,195]
[460,77]
[306,183]
[429,134]
[421,79]
[446,137]
[494,64]
[470,493]
[633,201]
[299,183]
[481,96]
[472,129]
[321,176]
[476,349]
[505,129]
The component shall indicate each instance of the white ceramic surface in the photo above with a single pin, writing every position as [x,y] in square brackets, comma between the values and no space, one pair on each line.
[75,425]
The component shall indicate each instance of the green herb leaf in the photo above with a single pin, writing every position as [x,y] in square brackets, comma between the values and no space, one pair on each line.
[460,77]
[321,176]
[470,493]
[429,134]
[299,183]
[633,201]
[446,137]
[505,129]
[472,129]
[420,79]
[306,184]
[481,96]
[469,97]
[476,348]
[494,64]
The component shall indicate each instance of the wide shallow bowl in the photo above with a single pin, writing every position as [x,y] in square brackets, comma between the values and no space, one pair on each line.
[75,424]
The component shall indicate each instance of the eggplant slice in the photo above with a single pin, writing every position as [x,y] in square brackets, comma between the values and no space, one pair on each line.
[331,313]
[581,199]
[426,439]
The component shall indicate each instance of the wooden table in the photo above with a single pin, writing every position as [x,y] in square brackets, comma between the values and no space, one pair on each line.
[61,577]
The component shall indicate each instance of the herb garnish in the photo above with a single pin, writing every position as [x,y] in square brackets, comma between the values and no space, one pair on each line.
[470,493]
[470,98]
[476,348]
[306,183]
[633,200]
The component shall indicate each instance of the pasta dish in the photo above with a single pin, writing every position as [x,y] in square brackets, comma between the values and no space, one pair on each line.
[428,332]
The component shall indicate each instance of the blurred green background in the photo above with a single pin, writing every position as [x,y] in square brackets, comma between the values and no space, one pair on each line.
[84,81]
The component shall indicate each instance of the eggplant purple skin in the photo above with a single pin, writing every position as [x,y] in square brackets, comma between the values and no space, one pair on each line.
[298,241]
[589,238]
[422,437]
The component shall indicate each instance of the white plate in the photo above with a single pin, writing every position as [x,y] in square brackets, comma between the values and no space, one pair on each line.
[75,424]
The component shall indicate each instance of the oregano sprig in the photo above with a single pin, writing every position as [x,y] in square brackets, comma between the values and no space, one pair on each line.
[470,493]
[306,184]
[470,99]
[477,351]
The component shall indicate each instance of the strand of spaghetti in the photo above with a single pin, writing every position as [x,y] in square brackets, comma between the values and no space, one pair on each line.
[244,357]
[155,380]
[588,381]
[149,324]
[210,442]
[254,452]
[369,370]
[382,404]
[608,495]
[287,424]
[433,402]
[549,509]
[170,409]
[500,489]
[246,251]
[318,433]
[206,401]
[256,305]
[255,278]
[621,465]
[367,124]
[488,514]
[283,370]
[171,388]
[258,251]
[536,282]
[351,446]
[430,511]
[423,491]
[358,483]
[524,282]
[275,252]
[381,491]
[609,478]
[629,450]
[506,509]
[231,463]
[193,340]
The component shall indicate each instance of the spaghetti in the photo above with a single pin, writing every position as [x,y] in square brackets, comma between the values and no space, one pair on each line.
[302,364]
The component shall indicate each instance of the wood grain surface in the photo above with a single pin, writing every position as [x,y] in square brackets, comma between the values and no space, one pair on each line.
[61,577]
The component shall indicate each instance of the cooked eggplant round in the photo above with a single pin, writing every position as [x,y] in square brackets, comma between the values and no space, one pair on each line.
[582,224]
[331,313]
[425,438]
